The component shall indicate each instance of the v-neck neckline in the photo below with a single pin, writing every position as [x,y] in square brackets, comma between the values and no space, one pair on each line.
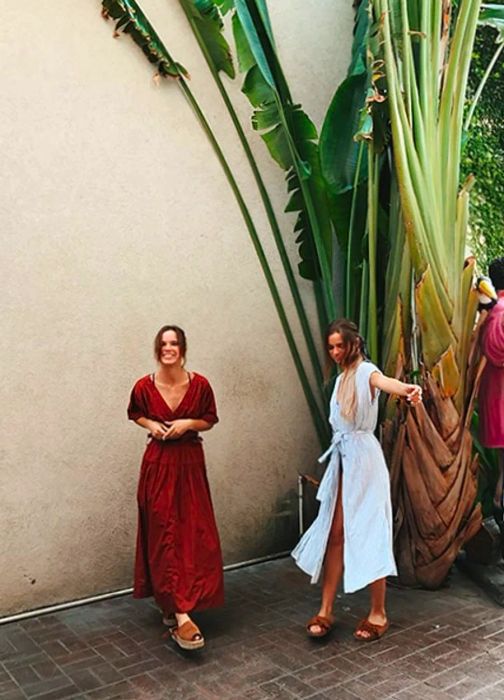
[173,410]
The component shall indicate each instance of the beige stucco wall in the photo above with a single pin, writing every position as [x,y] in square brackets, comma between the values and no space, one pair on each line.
[115,219]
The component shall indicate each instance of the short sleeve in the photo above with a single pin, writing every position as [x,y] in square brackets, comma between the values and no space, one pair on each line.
[207,406]
[137,407]
[493,338]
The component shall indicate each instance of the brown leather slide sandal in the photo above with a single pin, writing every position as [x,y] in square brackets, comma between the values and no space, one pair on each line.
[318,621]
[188,636]
[373,631]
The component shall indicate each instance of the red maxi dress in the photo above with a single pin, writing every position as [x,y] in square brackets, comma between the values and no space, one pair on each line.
[178,555]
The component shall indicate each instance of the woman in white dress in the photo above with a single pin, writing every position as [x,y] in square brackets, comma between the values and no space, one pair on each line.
[352,534]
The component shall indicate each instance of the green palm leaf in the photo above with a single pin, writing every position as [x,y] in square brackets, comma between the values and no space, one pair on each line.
[210,25]
[131,20]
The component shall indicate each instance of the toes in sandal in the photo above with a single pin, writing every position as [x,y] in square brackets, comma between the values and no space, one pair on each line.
[188,636]
[318,621]
[372,631]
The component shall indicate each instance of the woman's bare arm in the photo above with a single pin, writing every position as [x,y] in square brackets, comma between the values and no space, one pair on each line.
[412,392]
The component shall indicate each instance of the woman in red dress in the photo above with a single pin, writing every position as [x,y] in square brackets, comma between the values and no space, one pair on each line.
[178,556]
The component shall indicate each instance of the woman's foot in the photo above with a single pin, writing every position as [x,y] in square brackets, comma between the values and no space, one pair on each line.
[372,627]
[320,625]
[186,634]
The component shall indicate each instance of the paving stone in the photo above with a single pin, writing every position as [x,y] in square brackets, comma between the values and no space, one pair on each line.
[10,689]
[489,693]
[465,688]
[63,693]
[291,685]
[121,690]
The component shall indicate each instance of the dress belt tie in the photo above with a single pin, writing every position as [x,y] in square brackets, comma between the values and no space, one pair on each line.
[338,439]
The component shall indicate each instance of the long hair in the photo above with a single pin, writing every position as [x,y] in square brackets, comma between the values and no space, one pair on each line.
[354,351]
[181,337]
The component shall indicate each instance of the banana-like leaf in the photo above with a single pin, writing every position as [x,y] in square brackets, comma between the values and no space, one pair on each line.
[361,29]
[339,152]
[246,59]
[291,139]
[338,148]
[436,330]
[131,20]
[267,119]
[257,42]
[492,15]
[446,372]
[224,6]
[210,26]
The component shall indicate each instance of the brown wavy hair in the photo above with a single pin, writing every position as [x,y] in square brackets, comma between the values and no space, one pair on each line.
[181,337]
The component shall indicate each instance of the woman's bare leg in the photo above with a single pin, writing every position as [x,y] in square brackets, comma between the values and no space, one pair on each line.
[333,563]
[377,615]
[181,618]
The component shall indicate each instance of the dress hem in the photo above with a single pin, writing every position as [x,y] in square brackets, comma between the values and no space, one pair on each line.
[198,608]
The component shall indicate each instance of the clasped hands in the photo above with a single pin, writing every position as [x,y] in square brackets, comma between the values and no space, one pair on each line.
[170,431]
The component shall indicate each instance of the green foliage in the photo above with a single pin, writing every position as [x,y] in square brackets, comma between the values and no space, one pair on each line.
[131,20]
[211,33]
[292,141]
[484,152]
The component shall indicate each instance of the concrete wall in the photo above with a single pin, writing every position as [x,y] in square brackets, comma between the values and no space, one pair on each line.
[115,219]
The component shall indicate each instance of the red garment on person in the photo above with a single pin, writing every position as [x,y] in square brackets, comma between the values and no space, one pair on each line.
[491,391]
[178,555]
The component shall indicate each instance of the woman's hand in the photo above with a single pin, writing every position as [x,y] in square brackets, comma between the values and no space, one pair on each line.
[413,394]
[177,428]
[157,430]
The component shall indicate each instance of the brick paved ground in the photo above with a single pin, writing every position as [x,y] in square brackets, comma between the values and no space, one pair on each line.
[441,646]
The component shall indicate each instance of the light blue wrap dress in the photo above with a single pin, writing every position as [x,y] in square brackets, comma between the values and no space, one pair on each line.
[367,510]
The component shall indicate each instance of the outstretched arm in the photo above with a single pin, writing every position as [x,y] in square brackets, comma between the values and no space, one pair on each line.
[412,392]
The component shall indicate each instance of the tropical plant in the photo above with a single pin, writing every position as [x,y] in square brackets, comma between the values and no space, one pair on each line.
[419,56]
